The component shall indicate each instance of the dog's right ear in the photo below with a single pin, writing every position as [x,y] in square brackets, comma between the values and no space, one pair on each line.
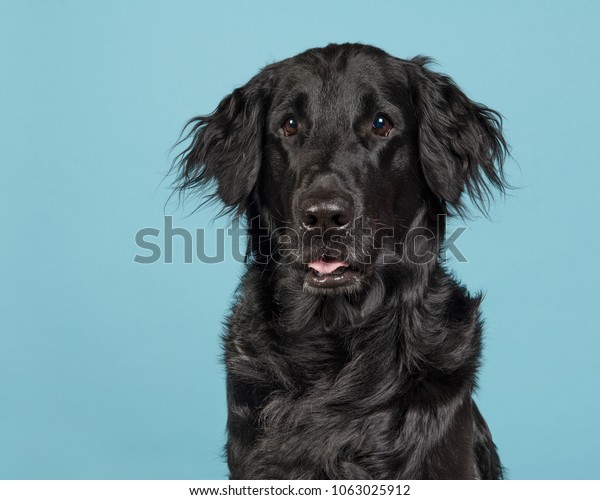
[226,146]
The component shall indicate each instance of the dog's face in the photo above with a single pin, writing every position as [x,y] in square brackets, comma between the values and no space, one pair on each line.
[340,163]
[339,155]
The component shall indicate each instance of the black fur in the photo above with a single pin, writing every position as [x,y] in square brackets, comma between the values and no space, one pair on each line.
[374,379]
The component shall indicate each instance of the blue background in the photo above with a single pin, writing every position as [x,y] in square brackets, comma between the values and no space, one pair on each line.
[111,369]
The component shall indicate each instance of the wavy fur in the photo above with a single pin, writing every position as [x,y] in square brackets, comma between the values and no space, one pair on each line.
[374,381]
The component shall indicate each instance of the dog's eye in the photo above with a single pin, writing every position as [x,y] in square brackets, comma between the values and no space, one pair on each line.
[382,126]
[290,126]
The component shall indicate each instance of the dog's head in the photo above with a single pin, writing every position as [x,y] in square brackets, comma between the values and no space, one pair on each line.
[342,159]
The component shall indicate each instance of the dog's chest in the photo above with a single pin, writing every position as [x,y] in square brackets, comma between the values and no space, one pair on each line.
[335,412]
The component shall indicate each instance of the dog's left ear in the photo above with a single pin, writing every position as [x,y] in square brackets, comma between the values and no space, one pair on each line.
[226,146]
[462,148]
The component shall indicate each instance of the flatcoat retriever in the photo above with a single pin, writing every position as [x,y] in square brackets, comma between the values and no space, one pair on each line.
[351,352]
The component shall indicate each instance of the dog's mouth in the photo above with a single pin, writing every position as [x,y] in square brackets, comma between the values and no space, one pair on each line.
[327,272]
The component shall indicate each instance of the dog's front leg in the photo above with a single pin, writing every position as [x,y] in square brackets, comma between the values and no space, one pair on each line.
[438,440]
[243,404]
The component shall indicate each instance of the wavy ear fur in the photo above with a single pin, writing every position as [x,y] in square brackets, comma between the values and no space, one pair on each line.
[226,146]
[462,148]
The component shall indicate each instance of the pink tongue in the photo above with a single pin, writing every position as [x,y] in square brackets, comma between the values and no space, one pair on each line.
[326,267]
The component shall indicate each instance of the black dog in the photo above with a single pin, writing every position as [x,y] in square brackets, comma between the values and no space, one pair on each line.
[351,352]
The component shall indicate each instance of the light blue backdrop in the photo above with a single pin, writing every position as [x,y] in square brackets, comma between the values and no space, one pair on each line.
[111,369]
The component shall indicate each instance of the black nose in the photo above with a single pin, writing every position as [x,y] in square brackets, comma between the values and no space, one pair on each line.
[326,213]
